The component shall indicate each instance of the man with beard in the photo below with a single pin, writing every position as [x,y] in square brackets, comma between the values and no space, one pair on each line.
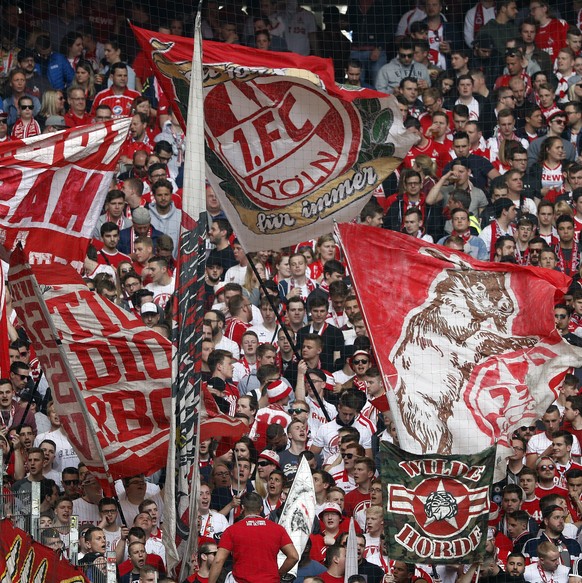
[214,322]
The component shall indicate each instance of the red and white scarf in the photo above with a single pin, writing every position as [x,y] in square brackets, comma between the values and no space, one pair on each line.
[568,266]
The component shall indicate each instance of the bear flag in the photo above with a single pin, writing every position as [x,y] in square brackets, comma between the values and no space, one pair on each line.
[468,349]
[436,506]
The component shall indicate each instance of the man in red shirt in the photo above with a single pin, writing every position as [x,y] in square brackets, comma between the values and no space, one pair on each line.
[77,114]
[336,565]
[239,322]
[110,255]
[359,499]
[264,537]
[118,97]
[426,146]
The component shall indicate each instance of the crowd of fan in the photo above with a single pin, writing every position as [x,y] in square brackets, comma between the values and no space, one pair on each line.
[496,172]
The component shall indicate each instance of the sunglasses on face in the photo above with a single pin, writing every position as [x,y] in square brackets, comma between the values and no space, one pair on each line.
[348,456]
[528,428]
[361,361]
[71,482]
[264,464]
[547,467]
[298,411]
[27,107]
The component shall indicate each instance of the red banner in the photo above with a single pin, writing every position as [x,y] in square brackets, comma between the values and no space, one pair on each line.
[52,189]
[287,152]
[23,560]
[110,375]
[468,349]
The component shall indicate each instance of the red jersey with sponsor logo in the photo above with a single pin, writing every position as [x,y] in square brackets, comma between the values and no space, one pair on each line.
[434,150]
[120,104]
[355,501]
[551,37]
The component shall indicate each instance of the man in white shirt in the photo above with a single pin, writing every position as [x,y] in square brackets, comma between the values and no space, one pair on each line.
[163,283]
[548,568]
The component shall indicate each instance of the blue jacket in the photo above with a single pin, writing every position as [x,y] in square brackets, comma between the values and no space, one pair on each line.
[57,70]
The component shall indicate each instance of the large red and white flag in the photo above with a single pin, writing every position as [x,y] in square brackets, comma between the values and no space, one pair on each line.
[52,189]
[468,349]
[110,376]
[287,151]
[23,560]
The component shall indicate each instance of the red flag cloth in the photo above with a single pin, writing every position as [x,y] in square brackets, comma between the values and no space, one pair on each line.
[52,189]
[221,427]
[468,349]
[110,375]
[287,151]
[23,560]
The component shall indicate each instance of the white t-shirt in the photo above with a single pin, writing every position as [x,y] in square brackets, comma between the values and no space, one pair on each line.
[65,455]
[328,439]
[539,442]
[162,293]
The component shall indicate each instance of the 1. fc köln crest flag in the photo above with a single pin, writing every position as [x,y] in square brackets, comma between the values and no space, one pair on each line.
[287,151]
[436,507]
[110,375]
[52,189]
[468,349]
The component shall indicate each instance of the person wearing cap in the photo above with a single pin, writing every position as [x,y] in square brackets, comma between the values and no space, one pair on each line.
[279,393]
[141,227]
[150,314]
[87,506]
[54,123]
[505,214]
[77,114]
[266,539]
[556,125]
[330,516]
[267,462]
[350,377]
